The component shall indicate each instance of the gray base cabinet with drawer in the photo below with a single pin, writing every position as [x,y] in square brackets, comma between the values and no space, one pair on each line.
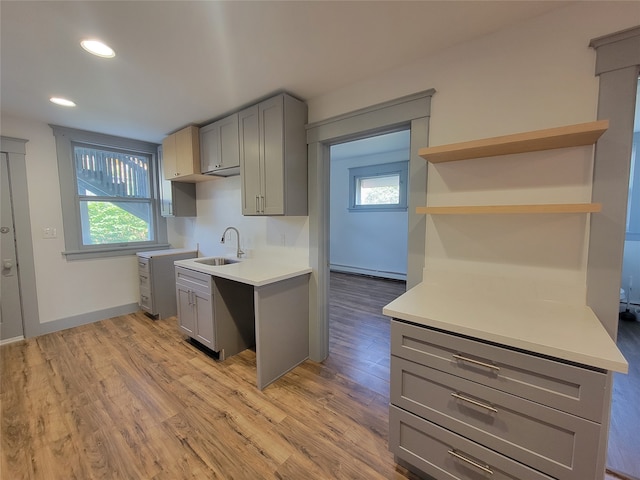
[462,408]
[156,281]
[216,312]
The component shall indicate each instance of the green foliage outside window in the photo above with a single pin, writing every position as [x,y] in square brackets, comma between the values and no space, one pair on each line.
[111,224]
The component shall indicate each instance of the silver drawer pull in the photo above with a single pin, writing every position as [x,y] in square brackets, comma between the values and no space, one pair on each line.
[474,402]
[476,362]
[484,468]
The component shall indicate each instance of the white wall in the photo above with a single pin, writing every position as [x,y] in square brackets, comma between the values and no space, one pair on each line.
[64,288]
[536,74]
[372,243]
[219,206]
[631,270]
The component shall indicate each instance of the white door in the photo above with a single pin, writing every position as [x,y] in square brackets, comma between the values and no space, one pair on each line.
[10,304]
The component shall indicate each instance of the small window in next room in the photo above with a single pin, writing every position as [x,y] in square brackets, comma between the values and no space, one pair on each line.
[378,187]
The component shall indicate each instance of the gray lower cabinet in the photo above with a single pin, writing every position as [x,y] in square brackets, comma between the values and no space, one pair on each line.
[216,312]
[461,408]
[220,147]
[155,280]
[273,157]
[194,293]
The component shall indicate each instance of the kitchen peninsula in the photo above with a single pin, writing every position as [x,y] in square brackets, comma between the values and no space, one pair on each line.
[279,294]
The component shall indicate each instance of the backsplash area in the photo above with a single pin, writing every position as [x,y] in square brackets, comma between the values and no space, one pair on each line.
[219,206]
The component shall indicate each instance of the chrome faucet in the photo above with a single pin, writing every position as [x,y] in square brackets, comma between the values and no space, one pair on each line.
[239,252]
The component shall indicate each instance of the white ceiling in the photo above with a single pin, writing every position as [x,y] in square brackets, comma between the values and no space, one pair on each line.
[182,62]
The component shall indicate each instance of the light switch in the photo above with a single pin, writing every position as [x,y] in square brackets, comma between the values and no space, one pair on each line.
[49,232]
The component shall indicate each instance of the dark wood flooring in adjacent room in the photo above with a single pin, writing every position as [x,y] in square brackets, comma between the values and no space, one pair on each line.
[129,398]
[624,433]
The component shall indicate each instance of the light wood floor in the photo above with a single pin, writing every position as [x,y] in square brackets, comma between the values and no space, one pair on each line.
[129,398]
[624,438]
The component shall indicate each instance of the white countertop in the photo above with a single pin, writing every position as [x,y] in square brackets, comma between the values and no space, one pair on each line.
[256,272]
[568,332]
[167,251]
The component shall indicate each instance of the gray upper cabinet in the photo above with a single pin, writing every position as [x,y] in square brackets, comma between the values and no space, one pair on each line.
[220,148]
[273,157]
[176,199]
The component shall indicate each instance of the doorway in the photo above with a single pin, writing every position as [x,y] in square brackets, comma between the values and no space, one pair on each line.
[625,409]
[368,224]
[11,326]
[410,112]
[17,247]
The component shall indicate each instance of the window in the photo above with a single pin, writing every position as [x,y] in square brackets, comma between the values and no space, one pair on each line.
[108,194]
[378,187]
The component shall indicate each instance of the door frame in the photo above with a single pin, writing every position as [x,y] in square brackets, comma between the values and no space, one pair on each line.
[412,111]
[617,67]
[15,148]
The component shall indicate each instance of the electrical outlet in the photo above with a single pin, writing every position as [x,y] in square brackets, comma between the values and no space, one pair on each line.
[49,232]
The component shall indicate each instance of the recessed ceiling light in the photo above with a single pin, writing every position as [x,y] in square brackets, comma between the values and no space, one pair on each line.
[62,101]
[96,47]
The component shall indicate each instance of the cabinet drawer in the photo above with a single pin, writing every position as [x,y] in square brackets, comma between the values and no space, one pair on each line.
[539,436]
[195,281]
[447,456]
[146,300]
[143,280]
[143,265]
[567,387]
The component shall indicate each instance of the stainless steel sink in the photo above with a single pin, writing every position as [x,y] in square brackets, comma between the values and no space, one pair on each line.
[216,261]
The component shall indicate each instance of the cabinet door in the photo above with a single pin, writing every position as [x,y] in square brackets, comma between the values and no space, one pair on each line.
[272,156]
[169,157]
[250,160]
[209,148]
[187,151]
[204,319]
[166,198]
[229,150]
[186,310]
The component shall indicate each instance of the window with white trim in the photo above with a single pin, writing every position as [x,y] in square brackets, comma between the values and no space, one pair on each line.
[378,187]
[108,194]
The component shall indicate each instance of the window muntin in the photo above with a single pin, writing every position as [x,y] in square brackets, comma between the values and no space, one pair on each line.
[378,187]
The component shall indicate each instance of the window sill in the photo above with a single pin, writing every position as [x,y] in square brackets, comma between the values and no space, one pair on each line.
[377,209]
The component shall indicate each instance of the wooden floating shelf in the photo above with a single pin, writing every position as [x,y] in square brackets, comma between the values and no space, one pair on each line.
[506,209]
[548,139]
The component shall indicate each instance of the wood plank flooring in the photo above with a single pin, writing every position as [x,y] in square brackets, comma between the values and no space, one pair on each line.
[129,398]
[624,443]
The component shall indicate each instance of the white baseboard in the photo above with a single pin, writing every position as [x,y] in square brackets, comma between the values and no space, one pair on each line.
[366,271]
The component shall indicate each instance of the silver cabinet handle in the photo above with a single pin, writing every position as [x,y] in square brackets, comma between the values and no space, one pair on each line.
[474,402]
[257,204]
[262,209]
[475,362]
[484,468]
